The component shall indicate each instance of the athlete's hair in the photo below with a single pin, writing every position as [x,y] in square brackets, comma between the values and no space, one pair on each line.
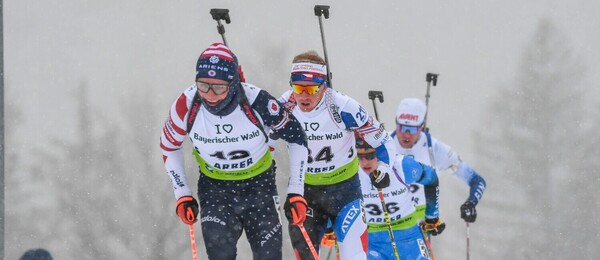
[309,56]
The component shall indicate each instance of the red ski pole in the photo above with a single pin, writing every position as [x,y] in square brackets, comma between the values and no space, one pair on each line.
[193,241]
[308,241]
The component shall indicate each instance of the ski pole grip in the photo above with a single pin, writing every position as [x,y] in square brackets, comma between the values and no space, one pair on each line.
[376,94]
[220,28]
[431,77]
[322,9]
[220,14]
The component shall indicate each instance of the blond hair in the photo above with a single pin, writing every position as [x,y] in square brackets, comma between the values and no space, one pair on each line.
[309,56]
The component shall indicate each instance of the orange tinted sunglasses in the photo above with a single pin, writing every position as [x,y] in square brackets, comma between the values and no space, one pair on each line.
[310,89]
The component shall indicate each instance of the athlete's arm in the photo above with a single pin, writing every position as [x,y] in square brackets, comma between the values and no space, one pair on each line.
[447,158]
[285,126]
[476,183]
[416,172]
[356,118]
[171,141]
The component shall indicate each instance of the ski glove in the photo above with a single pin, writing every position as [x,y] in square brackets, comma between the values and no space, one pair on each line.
[433,226]
[187,209]
[379,179]
[468,212]
[295,209]
[328,239]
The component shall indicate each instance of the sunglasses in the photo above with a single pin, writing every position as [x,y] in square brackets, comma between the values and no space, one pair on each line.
[367,156]
[310,89]
[408,128]
[218,89]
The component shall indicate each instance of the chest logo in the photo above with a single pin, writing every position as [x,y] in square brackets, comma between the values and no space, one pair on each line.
[226,127]
[312,126]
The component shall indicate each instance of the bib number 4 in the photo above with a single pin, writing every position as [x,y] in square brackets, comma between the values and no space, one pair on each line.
[324,154]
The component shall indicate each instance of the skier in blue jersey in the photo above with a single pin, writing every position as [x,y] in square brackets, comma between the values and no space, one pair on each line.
[399,215]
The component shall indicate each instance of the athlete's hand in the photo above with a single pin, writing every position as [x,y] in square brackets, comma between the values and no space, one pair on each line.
[468,212]
[433,226]
[379,179]
[295,209]
[328,239]
[187,209]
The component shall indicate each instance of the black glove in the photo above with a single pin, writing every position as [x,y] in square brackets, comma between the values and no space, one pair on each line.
[187,209]
[295,209]
[433,226]
[379,179]
[468,212]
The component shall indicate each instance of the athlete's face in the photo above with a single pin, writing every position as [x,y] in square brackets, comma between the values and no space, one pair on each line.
[367,159]
[212,91]
[305,101]
[407,135]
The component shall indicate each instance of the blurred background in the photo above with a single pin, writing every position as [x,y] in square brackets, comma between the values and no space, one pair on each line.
[88,85]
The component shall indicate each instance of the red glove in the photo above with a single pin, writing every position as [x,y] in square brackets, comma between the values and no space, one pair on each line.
[295,209]
[187,209]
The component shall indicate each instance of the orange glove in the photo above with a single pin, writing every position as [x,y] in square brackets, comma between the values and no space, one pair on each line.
[433,226]
[328,239]
[187,209]
[295,209]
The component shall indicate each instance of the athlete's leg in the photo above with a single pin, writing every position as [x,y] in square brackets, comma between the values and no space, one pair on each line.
[380,247]
[351,231]
[345,206]
[221,228]
[411,243]
[262,223]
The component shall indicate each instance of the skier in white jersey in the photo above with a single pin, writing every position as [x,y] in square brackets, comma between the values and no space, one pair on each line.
[225,120]
[332,188]
[399,205]
[411,140]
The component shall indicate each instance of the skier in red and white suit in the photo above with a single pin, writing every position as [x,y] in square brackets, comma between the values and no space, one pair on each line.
[227,121]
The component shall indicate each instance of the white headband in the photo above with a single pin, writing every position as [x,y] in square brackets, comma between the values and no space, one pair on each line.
[309,67]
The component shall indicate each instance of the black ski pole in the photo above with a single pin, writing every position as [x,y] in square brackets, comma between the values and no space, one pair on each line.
[379,95]
[468,245]
[218,15]
[431,78]
[324,10]
[223,14]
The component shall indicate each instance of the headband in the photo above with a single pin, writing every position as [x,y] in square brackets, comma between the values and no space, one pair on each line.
[310,68]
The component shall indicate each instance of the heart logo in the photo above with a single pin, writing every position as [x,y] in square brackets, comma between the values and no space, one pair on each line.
[314,126]
[227,128]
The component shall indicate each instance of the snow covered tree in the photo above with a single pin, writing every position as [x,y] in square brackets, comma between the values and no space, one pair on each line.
[98,194]
[531,149]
